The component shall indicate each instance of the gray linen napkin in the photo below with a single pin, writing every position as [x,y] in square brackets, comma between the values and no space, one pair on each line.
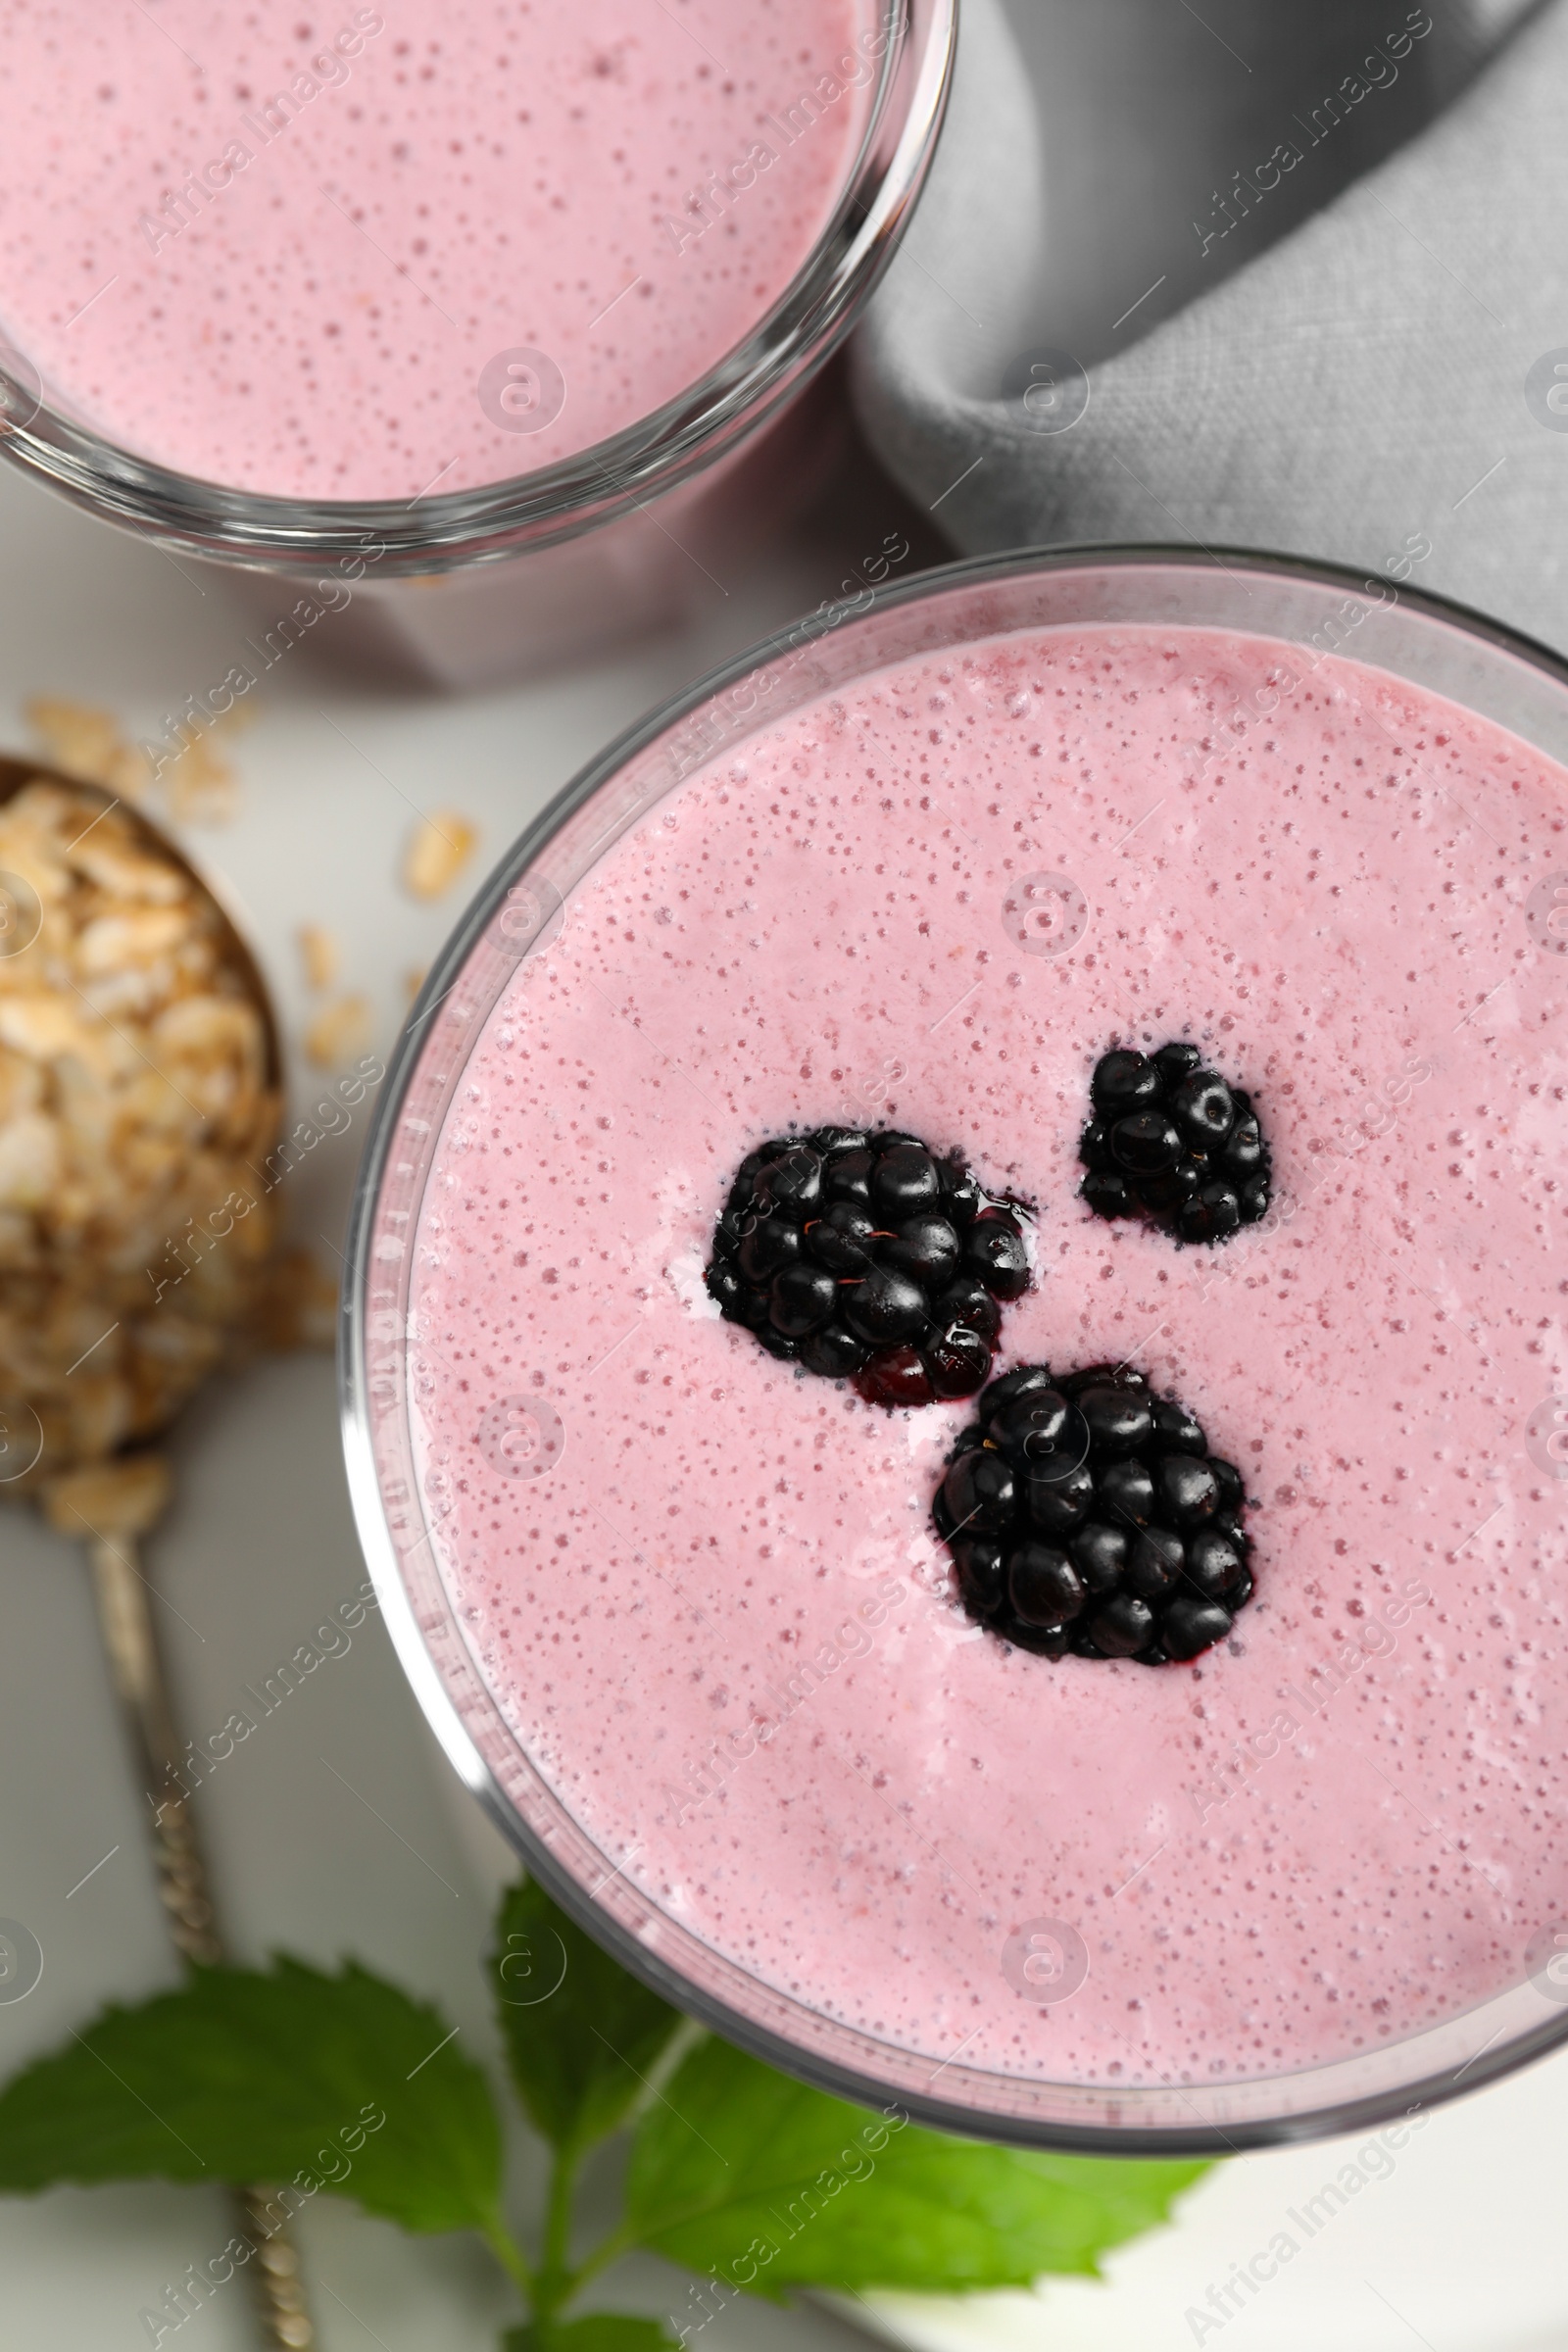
[1387,384]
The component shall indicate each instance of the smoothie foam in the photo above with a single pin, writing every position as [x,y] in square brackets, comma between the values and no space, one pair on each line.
[719,1621]
[278,248]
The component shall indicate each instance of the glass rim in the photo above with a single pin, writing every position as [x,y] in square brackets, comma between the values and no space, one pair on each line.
[804,2055]
[441,531]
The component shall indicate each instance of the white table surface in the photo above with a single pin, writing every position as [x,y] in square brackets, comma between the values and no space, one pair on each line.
[340,1828]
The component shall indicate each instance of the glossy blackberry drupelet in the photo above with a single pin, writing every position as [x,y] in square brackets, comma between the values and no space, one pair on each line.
[1172,1141]
[869,1258]
[1086,1515]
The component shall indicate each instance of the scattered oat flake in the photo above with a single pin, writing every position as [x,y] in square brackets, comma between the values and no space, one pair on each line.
[438,854]
[87,743]
[200,786]
[320,953]
[338,1030]
[413,980]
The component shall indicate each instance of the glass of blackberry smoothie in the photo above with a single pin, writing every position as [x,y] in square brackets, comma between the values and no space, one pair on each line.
[461,324]
[954,1381]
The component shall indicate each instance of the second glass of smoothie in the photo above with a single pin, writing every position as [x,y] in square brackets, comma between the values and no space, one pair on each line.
[378,301]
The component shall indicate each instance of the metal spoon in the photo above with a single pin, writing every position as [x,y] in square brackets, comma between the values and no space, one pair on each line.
[131,1640]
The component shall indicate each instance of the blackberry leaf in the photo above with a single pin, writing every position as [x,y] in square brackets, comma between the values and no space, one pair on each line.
[339,2084]
[582,2035]
[771,2185]
[597,2332]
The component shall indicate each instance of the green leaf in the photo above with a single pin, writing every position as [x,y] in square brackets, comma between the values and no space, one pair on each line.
[598,2332]
[340,2083]
[738,2172]
[582,2035]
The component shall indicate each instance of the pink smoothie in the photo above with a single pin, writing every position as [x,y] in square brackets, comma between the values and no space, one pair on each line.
[718,1620]
[278,248]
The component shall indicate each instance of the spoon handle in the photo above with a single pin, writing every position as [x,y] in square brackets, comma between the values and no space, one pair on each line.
[125,1622]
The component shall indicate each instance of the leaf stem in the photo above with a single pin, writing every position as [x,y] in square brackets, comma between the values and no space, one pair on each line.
[557,2281]
[621,2241]
[510,2256]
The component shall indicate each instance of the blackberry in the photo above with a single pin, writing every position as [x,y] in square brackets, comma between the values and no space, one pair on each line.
[967,1304]
[1169,1140]
[868,1257]
[1087,1517]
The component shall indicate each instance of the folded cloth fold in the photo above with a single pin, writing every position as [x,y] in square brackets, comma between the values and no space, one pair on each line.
[1386,385]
